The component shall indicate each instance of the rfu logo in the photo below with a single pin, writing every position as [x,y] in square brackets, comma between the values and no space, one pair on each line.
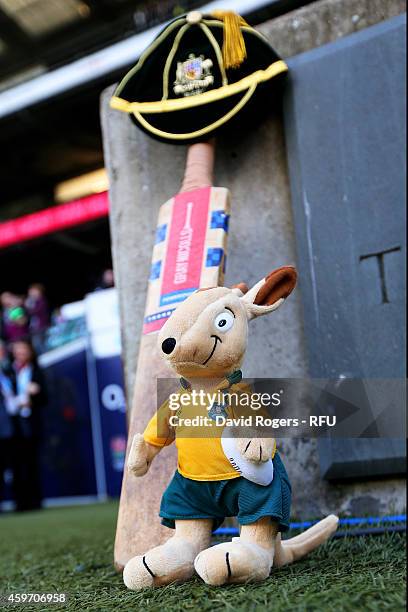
[193,76]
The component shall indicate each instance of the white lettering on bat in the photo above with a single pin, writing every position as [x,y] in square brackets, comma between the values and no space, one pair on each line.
[183,249]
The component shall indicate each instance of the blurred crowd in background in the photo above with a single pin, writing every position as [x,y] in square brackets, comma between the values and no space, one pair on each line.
[26,321]
[24,317]
[29,317]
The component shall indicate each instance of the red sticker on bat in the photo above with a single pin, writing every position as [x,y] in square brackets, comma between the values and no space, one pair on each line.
[181,268]
[185,247]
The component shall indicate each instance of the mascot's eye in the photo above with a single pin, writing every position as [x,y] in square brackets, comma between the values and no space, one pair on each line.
[224,321]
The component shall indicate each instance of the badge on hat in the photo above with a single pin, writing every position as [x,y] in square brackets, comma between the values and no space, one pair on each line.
[193,76]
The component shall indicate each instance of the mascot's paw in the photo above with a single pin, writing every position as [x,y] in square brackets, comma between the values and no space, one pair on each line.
[234,562]
[135,574]
[138,463]
[256,449]
[171,562]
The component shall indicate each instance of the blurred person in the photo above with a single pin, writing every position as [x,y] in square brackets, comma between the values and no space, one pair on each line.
[29,388]
[7,409]
[4,357]
[39,315]
[107,280]
[6,300]
[14,317]
[57,318]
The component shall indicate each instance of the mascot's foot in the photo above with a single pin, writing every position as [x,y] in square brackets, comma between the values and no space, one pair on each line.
[171,562]
[234,562]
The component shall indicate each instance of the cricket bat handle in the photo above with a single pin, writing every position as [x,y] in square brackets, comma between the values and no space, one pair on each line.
[199,166]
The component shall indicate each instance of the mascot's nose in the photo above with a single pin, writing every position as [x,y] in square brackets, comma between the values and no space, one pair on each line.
[168,345]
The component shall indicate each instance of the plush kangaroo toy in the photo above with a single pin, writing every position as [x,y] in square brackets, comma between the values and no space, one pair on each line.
[204,341]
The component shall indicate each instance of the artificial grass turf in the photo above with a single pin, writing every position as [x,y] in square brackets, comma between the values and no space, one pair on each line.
[70,550]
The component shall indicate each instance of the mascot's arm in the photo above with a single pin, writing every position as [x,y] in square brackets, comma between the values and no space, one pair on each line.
[157,434]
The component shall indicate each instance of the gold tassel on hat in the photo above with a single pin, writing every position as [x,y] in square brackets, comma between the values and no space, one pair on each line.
[233,48]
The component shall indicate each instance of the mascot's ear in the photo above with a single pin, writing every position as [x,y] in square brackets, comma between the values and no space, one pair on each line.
[267,295]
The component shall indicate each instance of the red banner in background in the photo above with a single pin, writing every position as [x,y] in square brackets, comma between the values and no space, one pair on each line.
[54,219]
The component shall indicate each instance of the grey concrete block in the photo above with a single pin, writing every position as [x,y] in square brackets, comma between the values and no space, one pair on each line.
[345,116]
[325,21]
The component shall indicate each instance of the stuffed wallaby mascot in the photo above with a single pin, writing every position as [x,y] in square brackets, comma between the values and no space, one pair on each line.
[204,342]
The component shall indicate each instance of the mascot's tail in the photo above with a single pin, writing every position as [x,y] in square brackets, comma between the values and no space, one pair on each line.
[302,544]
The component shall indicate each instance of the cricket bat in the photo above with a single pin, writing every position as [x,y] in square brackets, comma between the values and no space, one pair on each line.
[189,252]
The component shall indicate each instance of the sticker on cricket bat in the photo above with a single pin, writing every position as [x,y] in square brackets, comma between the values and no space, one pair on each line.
[190,243]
